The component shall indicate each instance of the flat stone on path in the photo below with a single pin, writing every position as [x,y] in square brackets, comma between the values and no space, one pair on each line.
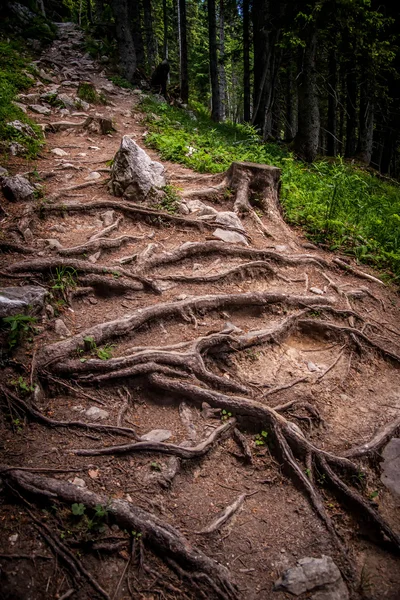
[391,466]
[59,152]
[232,237]
[157,435]
[41,110]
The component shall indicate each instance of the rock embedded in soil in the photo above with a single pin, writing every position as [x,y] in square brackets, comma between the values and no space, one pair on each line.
[391,466]
[17,300]
[59,152]
[23,128]
[17,189]
[39,109]
[229,219]
[319,574]
[61,329]
[231,237]
[157,435]
[134,175]
[96,414]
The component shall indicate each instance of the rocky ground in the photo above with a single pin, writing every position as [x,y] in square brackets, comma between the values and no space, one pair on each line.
[207,399]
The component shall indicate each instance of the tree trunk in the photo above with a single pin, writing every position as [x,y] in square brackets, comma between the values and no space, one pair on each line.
[212,33]
[351,110]
[332,105]
[291,101]
[183,51]
[151,41]
[306,140]
[124,38]
[40,4]
[261,60]
[134,19]
[246,62]
[98,10]
[221,61]
[366,128]
[165,24]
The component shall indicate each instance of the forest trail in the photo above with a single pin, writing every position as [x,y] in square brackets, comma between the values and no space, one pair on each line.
[184,378]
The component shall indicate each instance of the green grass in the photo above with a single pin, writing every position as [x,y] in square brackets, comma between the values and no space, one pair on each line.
[343,206]
[13,80]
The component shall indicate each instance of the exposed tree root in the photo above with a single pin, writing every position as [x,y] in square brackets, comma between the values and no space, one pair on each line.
[249,269]
[99,244]
[290,440]
[104,232]
[357,272]
[6,246]
[192,249]
[80,186]
[225,516]
[24,408]
[199,570]
[105,332]
[133,210]
[43,265]
[186,452]
[380,439]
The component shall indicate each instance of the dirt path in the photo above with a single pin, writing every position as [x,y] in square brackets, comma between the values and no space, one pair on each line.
[299,357]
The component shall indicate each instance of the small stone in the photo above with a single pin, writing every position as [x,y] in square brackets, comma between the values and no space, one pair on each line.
[38,108]
[96,414]
[93,176]
[13,538]
[281,248]
[3,172]
[108,218]
[231,237]
[28,236]
[157,435]
[312,367]
[79,482]
[50,311]
[181,297]
[58,228]
[61,329]
[229,219]
[17,149]
[53,244]
[93,300]
[317,291]
[59,152]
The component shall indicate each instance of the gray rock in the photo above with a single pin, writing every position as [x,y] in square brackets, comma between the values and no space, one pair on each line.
[17,149]
[59,152]
[53,244]
[41,110]
[201,209]
[108,218]
[28,235]
[78,482]
[17,189]
[232,237]
[23,128]
[92,176]
[157,435]
[96,414]
[229,219]
[93,258]
[61,329]
[320,574]
[134,174]
[16,300]
[68,101]
[317,291]
[391,466]
[3,172]
[21,107]
[312,367]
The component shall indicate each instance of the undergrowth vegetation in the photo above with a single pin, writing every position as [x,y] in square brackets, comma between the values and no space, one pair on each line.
[14,78]
[343,206]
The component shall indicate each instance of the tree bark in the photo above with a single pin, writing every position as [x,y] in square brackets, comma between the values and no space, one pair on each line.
[135,22]
[221,61]
[212,33]
[124,38]
[351,110]
[165,26]
[306,140]
[98,10]
[151,41]
[183,52]
[332,104]
[246,62]
[291,101]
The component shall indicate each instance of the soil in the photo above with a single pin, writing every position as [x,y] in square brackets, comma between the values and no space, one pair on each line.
[275,526]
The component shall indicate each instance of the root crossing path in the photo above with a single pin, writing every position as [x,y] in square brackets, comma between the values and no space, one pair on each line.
[188,416]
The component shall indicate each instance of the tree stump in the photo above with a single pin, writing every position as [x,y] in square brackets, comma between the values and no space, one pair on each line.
[254,185]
